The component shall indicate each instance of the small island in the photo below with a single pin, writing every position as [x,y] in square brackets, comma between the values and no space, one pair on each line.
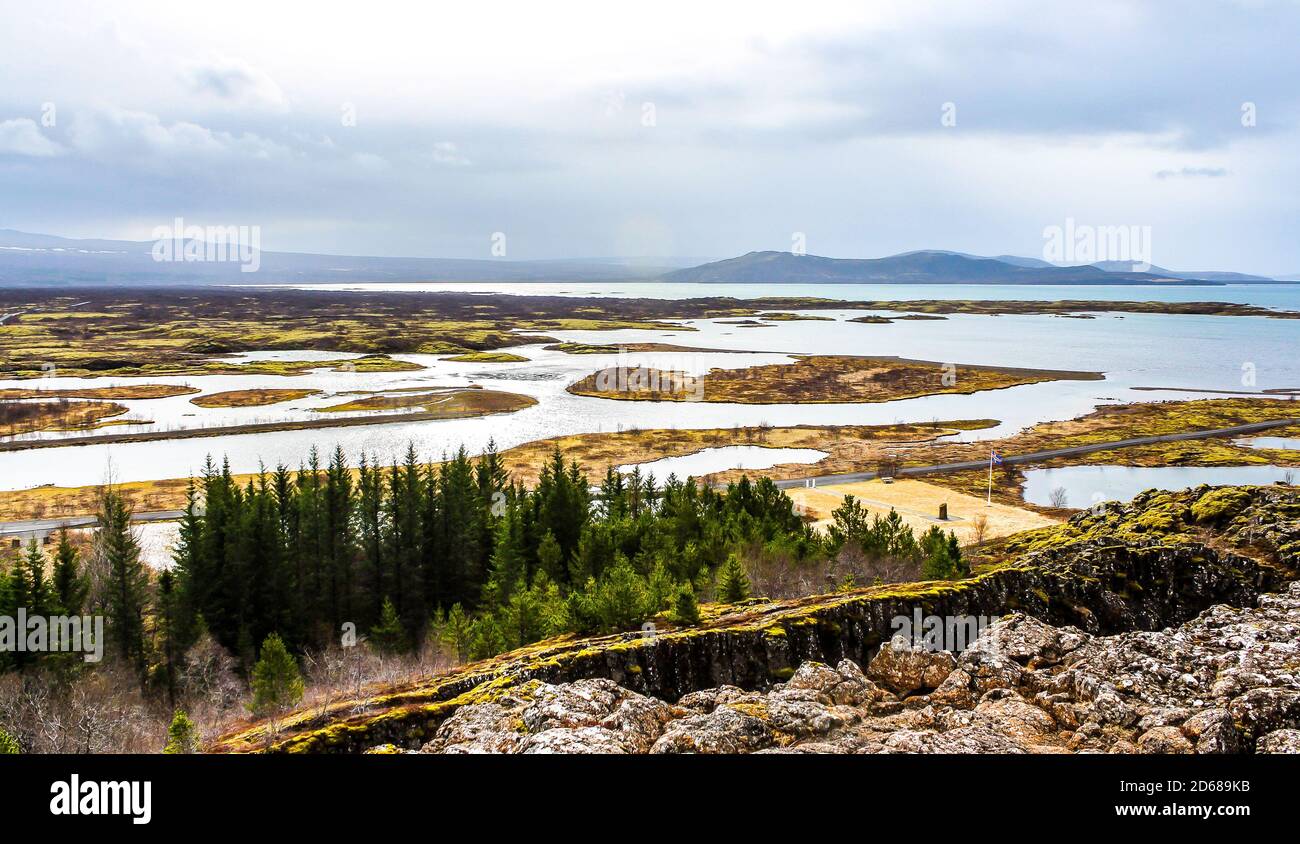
[250,398]
[439,404]
[818,379]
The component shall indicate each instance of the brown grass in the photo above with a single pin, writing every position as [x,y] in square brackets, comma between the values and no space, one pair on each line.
[821,379]
[61,415]
[251,398]
[122,391]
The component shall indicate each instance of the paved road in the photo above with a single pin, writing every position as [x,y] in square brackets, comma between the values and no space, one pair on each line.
[41,526]
[45,525]
[1035,456]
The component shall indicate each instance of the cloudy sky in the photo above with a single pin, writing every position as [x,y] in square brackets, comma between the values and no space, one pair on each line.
[674,128]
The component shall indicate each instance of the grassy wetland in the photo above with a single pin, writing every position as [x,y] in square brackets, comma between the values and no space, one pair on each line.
[821,379]
[130,333]
[849,449]
[250,398]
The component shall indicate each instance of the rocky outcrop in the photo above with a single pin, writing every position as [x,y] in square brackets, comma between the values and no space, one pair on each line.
[1226,682]
[1145,566]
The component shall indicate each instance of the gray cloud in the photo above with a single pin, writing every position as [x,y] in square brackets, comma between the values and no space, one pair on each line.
[237,82]
[835,132]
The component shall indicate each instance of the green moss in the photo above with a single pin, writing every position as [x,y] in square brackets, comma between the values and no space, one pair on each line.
[487,357]
[1216,506]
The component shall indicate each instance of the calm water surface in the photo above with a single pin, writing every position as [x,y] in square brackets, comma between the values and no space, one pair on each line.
[1185,353]
[1087,485]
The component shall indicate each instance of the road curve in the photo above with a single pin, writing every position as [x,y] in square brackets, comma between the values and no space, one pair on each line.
[1034,456]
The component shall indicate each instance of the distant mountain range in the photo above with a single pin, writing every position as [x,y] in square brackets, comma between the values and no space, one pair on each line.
[938,267]
[46,260]
[43,260]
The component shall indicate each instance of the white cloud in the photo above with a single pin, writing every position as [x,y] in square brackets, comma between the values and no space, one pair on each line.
[23,137]
[124,134]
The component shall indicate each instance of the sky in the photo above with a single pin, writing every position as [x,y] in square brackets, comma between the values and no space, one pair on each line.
[709,129]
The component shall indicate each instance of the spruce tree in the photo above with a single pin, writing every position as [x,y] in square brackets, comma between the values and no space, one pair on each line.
[942,556]
[69,586]
[182,735]
[17,595]
[169,629]
[127,580]
[388,636]
[686,611]
[456,632]
[508,570]
[7,608]
[39,595]
[277,685]
[733,582]
[550,558]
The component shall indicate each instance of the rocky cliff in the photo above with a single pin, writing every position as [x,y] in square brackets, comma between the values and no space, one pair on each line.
[1226,682]
[1148,565]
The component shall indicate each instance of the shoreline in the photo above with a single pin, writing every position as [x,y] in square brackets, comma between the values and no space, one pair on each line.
[257,428]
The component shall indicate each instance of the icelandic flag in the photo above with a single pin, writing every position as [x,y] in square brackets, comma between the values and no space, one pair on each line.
[997,458]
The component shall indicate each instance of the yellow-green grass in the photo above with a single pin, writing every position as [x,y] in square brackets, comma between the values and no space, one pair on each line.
[487,357]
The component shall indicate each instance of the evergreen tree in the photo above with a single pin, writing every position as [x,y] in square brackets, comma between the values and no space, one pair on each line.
[69,585]
[686,611]
[15,594]
[550,558]
[405,540]
[182,735]
[8,744]
[19,586]
[389,636]
[733,581]
[168,627]
[39,595]
[277,685]
[340,539]
[372,526]
[942,556]
[460,515]
[508,569]
[127,579]
[456,632]
[7,608]
[621,599]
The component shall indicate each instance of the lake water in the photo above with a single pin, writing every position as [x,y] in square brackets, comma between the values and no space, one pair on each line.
[1185,353]
[1284,296]
[1283,443]
[727,457]
[1088,485]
